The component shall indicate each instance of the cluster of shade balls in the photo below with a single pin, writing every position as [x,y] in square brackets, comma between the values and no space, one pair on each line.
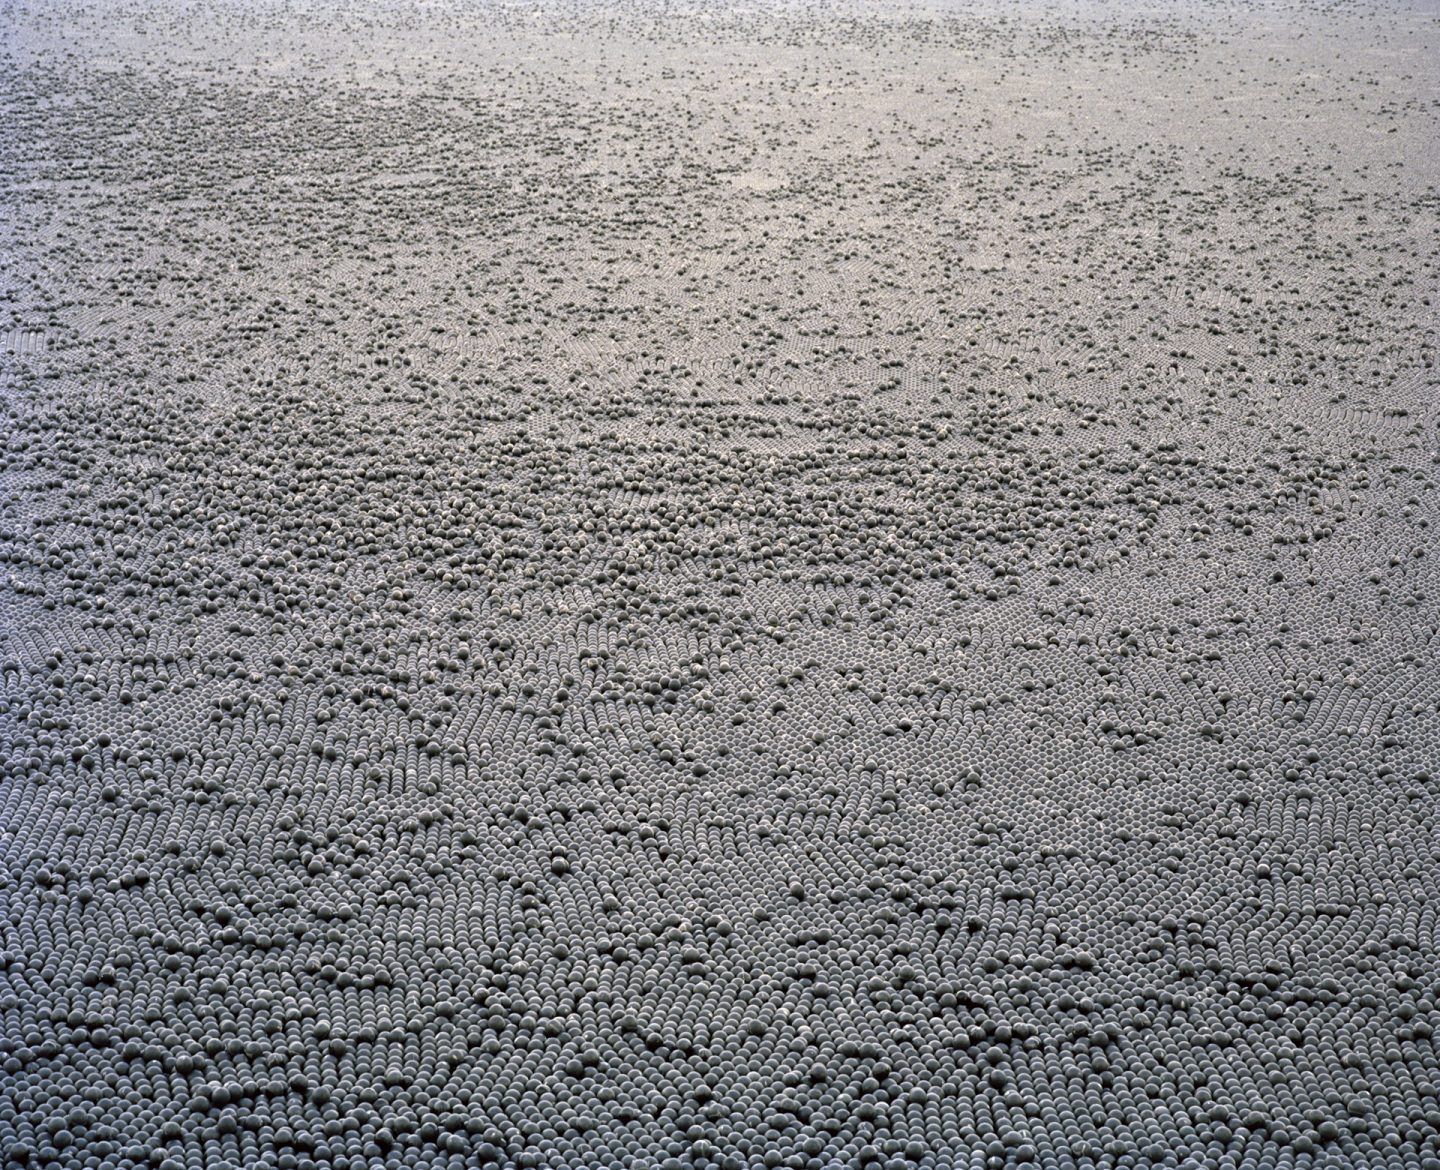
[711,725]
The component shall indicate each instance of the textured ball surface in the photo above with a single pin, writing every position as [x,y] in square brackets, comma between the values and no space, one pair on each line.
[654,585]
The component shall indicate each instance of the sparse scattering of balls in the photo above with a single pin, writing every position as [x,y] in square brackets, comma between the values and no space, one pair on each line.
[659,585]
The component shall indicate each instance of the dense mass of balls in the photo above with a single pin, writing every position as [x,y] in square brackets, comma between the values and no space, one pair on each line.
[656,585]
